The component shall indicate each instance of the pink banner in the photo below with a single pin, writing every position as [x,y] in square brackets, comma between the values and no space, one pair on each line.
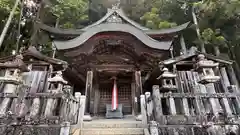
[114,96]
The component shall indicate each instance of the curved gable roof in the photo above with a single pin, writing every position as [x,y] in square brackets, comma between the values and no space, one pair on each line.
[119,12]
[80,31]
[113,27]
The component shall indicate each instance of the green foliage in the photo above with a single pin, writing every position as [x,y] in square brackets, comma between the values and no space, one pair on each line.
[152,20]
[219,20]
[70,12]
[10,39]
[213,37]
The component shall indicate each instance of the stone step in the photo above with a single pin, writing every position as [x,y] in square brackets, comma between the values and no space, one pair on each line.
[112,131]
[112,124]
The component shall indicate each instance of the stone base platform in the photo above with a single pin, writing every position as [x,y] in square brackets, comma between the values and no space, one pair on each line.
[110,127]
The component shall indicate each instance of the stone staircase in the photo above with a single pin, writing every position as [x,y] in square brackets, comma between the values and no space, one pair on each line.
[110,127]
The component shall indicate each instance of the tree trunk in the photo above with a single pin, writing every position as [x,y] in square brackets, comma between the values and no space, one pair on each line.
[33,39]
[5,29]
[216,50]
[202,47]
[183,45]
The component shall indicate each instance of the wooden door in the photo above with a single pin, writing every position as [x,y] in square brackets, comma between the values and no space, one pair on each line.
[124,97]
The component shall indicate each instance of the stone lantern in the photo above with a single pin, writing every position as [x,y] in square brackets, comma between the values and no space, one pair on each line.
[56,83]
[13,70]
[12,79]
[205,68]
[168,80]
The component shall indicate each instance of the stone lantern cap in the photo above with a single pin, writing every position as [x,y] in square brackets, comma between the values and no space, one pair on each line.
[17,63]
[166,74]
[204,63]
[57,78]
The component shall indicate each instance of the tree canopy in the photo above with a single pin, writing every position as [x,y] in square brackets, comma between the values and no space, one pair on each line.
[218,21]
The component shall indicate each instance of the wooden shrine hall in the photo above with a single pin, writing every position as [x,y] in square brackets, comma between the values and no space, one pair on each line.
[114,46]
[113,69]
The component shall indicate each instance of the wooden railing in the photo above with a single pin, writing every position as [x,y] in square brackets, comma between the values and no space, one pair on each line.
[186,123]
[23,111]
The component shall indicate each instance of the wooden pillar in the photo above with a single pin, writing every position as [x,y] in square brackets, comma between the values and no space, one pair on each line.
[185,107]
[134,102]
[172,106]
[88,90]
[96,99]
[234,86]
[224,77]
[198,88]
[225,82]
[157,103]
[138,82]
[233,77]
[215,105]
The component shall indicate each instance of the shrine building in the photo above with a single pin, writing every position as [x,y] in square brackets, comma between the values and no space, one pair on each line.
[120,70]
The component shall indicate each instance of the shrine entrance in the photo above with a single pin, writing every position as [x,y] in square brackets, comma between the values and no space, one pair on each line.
[124,97]
[104,91]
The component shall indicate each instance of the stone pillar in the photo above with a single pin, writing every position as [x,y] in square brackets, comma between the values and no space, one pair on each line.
[149,105]
[143,110]
[35,108]
[10,88]
[172,131]
[63,111]
[157,103]
[211,130]
[153,128]
[65,129]
[81,110]
[49,107]
[78,98]
[81,116]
